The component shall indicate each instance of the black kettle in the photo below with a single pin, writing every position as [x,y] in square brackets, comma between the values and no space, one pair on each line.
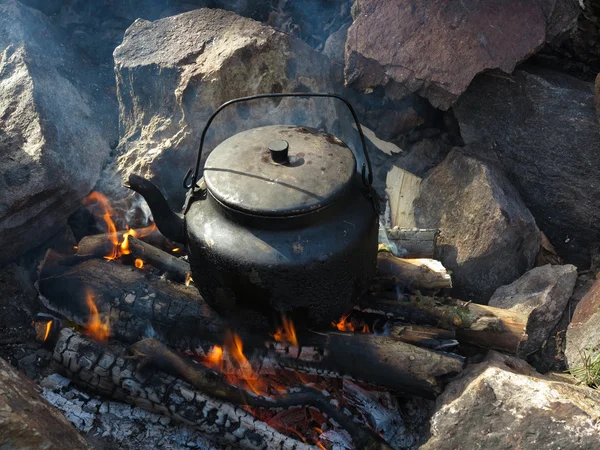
[282,220]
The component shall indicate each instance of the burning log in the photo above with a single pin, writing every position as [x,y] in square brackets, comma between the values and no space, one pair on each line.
[110,372]
[418,242]
[100,245]
[135,301]
[416,273]
[480,325]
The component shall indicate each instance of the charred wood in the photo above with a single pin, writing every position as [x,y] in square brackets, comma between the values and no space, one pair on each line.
[480,325]
[100,245]
[110,372]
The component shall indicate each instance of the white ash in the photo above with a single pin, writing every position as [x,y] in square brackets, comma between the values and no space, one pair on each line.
[129,427]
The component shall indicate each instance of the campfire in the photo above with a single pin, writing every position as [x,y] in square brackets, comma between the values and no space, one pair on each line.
[129,323]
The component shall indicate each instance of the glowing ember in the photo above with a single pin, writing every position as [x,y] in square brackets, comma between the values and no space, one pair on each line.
[107,213]
[48,328]
[176,249]
[287,333]
[139,263]
[95,328]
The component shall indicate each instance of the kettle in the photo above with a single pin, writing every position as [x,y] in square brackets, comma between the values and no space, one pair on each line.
[282,220]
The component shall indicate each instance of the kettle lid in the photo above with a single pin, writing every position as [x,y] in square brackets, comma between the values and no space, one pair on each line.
[279,170]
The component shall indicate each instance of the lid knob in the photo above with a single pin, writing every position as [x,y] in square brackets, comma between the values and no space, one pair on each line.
[279,151]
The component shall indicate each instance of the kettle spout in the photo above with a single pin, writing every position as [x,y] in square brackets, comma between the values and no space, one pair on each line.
[168,222]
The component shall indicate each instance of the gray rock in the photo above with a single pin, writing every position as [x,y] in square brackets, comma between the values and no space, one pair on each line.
[542,294]
[488,236]
[546,137]
[173,73]
[335,45]
[436,48]
[583,333]
[52,145]
[504,404]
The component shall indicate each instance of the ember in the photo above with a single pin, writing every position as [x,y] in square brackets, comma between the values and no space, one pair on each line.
[138,263]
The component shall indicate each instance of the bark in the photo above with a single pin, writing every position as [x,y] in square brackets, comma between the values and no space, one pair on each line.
[418,242]
[480,325]
[416,273]
[27,421]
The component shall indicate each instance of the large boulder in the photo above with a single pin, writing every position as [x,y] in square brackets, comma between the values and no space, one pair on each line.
[27,421]
[543,130]
[173,73]
[436,48]
[542,295]
[503,404]
[583,333]
[488,237]
[52,143]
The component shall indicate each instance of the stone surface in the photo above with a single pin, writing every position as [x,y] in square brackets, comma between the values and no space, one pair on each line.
[335,45]
[174,72]
[583,333]
[436,48]
[544,133]
[52,142]
[542,294]
[488,236]
[27,421]
[503,404]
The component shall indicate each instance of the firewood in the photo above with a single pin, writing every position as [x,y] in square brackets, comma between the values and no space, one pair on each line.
[108,371]
[136,301]
[100,245]
[153,352]
[475,324]
[418,242]
[424,336]
[416,273]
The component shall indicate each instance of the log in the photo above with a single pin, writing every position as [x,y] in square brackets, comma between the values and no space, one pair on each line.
[418,242]
[135,301]
[415,273]
[480,325]
[108,371]
[424,336]
[100,245]
[29,422]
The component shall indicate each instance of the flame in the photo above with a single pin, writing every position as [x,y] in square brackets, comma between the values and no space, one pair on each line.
[234,346]
[95,327]
[139,263]
[125,250]
[176,249]
[214,358]
[48,327]
[102,201]
[188,278]
[343,325]
[287,333]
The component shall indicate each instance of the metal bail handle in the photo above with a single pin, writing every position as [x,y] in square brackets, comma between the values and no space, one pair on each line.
[366,172]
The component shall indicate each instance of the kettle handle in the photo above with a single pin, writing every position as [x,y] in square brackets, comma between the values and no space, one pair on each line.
[367,171]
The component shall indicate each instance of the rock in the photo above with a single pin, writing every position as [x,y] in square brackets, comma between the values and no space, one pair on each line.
[172,74]
[52,145]
[546,138]
[27,421]
[335,45]
[541,294]
[503,403]
[583,333]
[423,156]
[436,48]
[488,237]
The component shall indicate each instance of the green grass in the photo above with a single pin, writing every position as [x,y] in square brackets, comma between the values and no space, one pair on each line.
[588,372]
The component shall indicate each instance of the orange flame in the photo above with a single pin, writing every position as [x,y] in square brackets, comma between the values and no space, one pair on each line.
[125,250]
[214,358]
[102,201]
[176,249]
[48,327]
[343,324]
[139,263]
[188,278]
[95,327]
[233,345]
[287,333]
